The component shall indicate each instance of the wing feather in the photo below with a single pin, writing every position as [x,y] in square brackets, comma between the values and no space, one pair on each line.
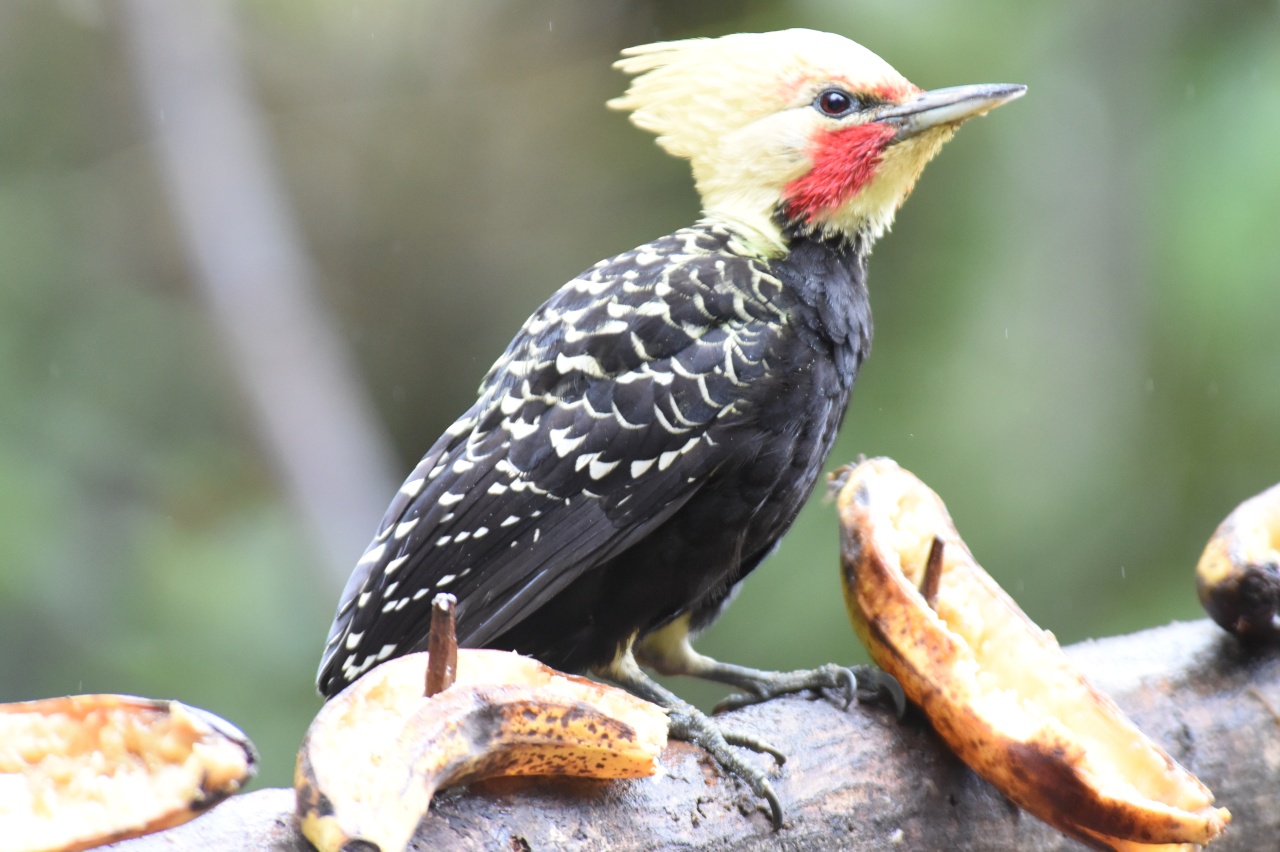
[593,428]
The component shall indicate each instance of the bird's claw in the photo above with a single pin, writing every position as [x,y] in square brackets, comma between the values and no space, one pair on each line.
[831,676]
[876,684]
[691,725]
[755,744]
[865,683]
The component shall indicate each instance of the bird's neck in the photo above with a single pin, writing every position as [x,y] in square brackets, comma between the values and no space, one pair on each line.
[753,236]
[829,280]
[773,237]
[827,273]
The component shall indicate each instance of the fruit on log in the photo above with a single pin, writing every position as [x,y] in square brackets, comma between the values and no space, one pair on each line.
[997,688]
[84,770]
[1238,576]
[377,753]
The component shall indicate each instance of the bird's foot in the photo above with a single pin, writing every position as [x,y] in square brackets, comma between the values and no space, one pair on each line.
[668,650]
[692,725]
[866,683]
[686,722]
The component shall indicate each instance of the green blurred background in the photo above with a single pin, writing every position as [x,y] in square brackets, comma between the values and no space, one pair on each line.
[1077,313]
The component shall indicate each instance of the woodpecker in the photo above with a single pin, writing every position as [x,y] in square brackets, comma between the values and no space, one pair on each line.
[656,425]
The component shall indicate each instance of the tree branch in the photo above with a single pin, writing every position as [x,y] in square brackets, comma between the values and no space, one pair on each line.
[855,780]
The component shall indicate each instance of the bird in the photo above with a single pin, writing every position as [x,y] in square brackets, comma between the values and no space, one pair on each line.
[656,425]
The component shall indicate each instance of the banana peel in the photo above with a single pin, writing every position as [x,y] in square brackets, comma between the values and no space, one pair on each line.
[1238,576]
[997,688]
[377,753]
[85,770]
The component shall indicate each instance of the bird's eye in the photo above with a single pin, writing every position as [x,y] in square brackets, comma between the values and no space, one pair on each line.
[836,103]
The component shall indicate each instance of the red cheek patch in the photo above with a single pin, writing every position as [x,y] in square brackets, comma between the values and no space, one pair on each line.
[843,162]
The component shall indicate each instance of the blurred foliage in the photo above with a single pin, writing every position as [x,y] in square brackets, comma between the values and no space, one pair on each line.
[1076,313]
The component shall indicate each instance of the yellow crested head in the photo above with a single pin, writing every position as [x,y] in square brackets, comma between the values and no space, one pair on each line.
[794,132]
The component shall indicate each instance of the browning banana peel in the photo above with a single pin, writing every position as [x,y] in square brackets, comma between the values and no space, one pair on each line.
[1238,576]
[85,770]
[997,688]
[375,755]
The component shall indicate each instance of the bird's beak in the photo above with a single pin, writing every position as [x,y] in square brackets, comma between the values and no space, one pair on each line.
[946,106]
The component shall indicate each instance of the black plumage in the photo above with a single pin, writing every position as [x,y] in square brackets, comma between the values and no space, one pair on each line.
[639,448]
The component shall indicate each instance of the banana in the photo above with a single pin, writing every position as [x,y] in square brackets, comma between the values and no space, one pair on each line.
[1238,576]
[85,770]
[997,688]
[375,755]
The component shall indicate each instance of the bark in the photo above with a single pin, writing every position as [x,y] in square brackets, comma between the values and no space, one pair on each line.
[856,779]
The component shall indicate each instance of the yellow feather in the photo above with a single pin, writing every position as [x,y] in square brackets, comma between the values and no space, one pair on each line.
[739,108]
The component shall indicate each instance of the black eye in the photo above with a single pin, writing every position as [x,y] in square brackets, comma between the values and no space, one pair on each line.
[836,103]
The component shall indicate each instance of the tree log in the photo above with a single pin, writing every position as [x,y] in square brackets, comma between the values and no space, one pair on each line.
[855,780]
